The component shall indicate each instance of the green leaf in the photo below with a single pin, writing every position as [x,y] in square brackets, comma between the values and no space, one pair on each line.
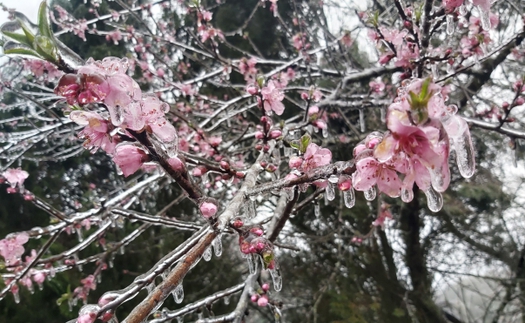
[29,34]
[305,141]
[12,48]
[295,145]
[43,21]
[17,37]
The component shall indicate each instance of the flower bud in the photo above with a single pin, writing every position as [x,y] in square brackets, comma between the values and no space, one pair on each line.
[259,135]
[265,287]
[252,90]
[262,301]
[254,298]
[208,209]
[224,165]
[274,134]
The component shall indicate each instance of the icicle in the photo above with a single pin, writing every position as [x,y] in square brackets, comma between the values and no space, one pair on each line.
[75,257]
[383,115]
[407,195]
[249,209]
[463,10]
[435,71]
[349,197]
[217,246]
[485,18]
[330,192]
[450,24]
[333,179]
[227,300]
[79,235]
[252,264]
[325,132]
[434,200]
[317,210]
[440,177]
[207,254]
[362,120]
[277,279]
[178,293]
[465,155]
[370,194]
[287,151]
[171,148]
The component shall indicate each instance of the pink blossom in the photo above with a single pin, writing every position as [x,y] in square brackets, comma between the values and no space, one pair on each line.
[129,158]
[451,5]
[377,86]
[316,156]
[384,214]
[208,209]
[371,172]
[11,248]
[87,318]
[272,97]
[89,282]
[15,176]
[206,15]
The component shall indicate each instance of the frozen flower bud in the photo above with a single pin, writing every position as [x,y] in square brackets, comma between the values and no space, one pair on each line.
[265,287]
[226,177]
[215,141]
[239,175]
[304,96]
[265,119]
[87,318]
[224,165]
[344,184]
[129,158]
[266,148]
[505,105]
[257,231]
[271,168]
[237,223]
[259,135]
[258,147]
[373,142]
[274,134]
[254,298]
[252,90]
[295,162]
[29,197]
[262,301]
[263,164]
[407,24]
[11,190]
[520,101]
[208,209]
[199,171]
[176,164]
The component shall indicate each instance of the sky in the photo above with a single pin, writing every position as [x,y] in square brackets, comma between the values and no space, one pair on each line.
[27,7]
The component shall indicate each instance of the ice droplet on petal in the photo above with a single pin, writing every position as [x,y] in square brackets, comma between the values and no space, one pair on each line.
[434,200]
[217,246]
[317,210]
[485,19]
[118,116]
[178,293]
[450,24]
[370,194]
[207,254]
[349,197]
[330,192]
[276,278]
[407,194]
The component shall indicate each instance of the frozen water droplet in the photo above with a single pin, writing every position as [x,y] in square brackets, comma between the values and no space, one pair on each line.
[217,246]
[349,197]
[333,179]
[435,71]
[463,10]
[370,194]
[226,300]
[485,19]
[252,263]
[79,235]
[330,192]
[178,293]
[287,151]
[118,116]
[276,278]
[440,177]
[207,254]
[450,24]
[383,115]
[407,194]
[325,132]
[362,120]
[462,144]
[317,210]
[434,200]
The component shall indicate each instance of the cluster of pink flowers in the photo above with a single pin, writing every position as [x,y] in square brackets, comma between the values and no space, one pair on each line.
[422,132]
[406,51]
[106,82]
[261,297]
[252,241]
[12,248]
[16,178]
[81,292]
[247,69]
